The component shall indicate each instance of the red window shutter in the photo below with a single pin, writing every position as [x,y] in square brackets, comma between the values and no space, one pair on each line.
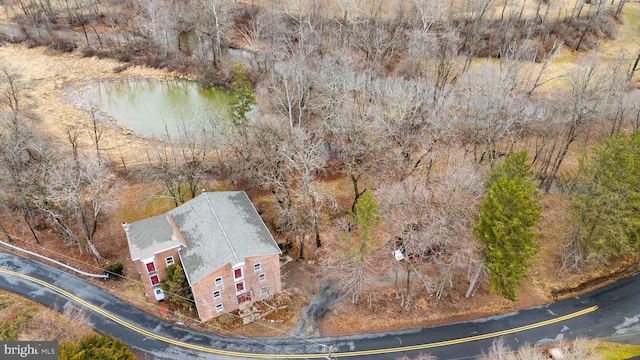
[151,267]
[237,273]
[155,280]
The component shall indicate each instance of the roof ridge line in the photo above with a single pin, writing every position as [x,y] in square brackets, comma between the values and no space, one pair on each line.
[224,233]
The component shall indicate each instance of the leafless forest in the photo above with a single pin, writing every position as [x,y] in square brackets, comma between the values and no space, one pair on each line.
[409,100]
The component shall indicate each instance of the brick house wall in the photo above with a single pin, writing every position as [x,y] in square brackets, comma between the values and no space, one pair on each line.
[203,294]
[214,298]
[262,276]
[160,265]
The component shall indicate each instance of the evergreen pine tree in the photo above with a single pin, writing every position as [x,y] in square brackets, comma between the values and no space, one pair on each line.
[95,347]
[176,286]
[507,216]
[605,200]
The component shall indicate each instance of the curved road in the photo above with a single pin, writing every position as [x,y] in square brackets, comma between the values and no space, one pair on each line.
[612,311]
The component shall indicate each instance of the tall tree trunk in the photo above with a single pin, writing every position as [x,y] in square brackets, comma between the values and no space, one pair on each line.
[550,177]
[301,256]
[633,68]
[26,213]
[472,283]
[84,31]
[356,191]
[316,228]
[93,249]
[405,301]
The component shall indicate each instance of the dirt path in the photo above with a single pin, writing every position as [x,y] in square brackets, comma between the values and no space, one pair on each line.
[312,315]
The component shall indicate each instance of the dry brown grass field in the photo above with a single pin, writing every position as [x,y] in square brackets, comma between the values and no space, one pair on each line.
[31,321]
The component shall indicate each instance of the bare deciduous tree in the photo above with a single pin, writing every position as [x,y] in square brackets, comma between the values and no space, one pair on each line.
[213,23]
[179,162]
[429,221]
[164,165]
[357,140]
[76,198]
[288,162]
[378,41]
[593,15]
[19,173]
[306,161]
[495,111]
[300,40]
[81,13]
[290,90]
[410,123]
[267,35]
[474,16]
[353,250]
[23,149]
[589,92]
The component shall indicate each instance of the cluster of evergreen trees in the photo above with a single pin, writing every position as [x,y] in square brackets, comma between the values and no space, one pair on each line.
[95,347]
[605,202]
[603,194]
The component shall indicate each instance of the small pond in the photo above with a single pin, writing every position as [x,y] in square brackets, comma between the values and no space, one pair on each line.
[152,107]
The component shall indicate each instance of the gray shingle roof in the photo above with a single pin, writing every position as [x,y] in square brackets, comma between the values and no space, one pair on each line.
[149,236]
[218,228]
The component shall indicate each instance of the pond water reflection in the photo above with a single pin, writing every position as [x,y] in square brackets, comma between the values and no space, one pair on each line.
[151,107]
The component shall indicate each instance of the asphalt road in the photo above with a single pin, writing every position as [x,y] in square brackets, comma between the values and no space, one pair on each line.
[611,312]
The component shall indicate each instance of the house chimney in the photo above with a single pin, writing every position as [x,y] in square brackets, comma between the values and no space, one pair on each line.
[204,191]
[125,226]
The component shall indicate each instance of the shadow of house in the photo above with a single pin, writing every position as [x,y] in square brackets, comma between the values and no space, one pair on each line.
[227,253]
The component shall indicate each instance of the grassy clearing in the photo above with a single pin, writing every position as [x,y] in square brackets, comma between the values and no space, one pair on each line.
[623,48]
[627,41]
[139,202]
[625,45]
[616,351]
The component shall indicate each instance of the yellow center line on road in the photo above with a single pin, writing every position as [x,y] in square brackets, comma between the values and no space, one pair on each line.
[296,356]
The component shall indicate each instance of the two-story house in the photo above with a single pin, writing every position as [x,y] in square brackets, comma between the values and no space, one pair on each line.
[226,251]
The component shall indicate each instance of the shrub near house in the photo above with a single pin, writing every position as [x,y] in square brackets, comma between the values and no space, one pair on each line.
[227,253]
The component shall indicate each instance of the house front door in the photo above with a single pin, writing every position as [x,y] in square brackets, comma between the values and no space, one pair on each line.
[241,293]
[244,297]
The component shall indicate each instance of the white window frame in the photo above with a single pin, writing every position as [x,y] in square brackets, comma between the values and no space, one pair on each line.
[264,291]
[257,267]
[152,276]
[244,288]
[262,277]
[238,279]
[150,261]
[219,308]
[169,260]
[218,293]
[218,281]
